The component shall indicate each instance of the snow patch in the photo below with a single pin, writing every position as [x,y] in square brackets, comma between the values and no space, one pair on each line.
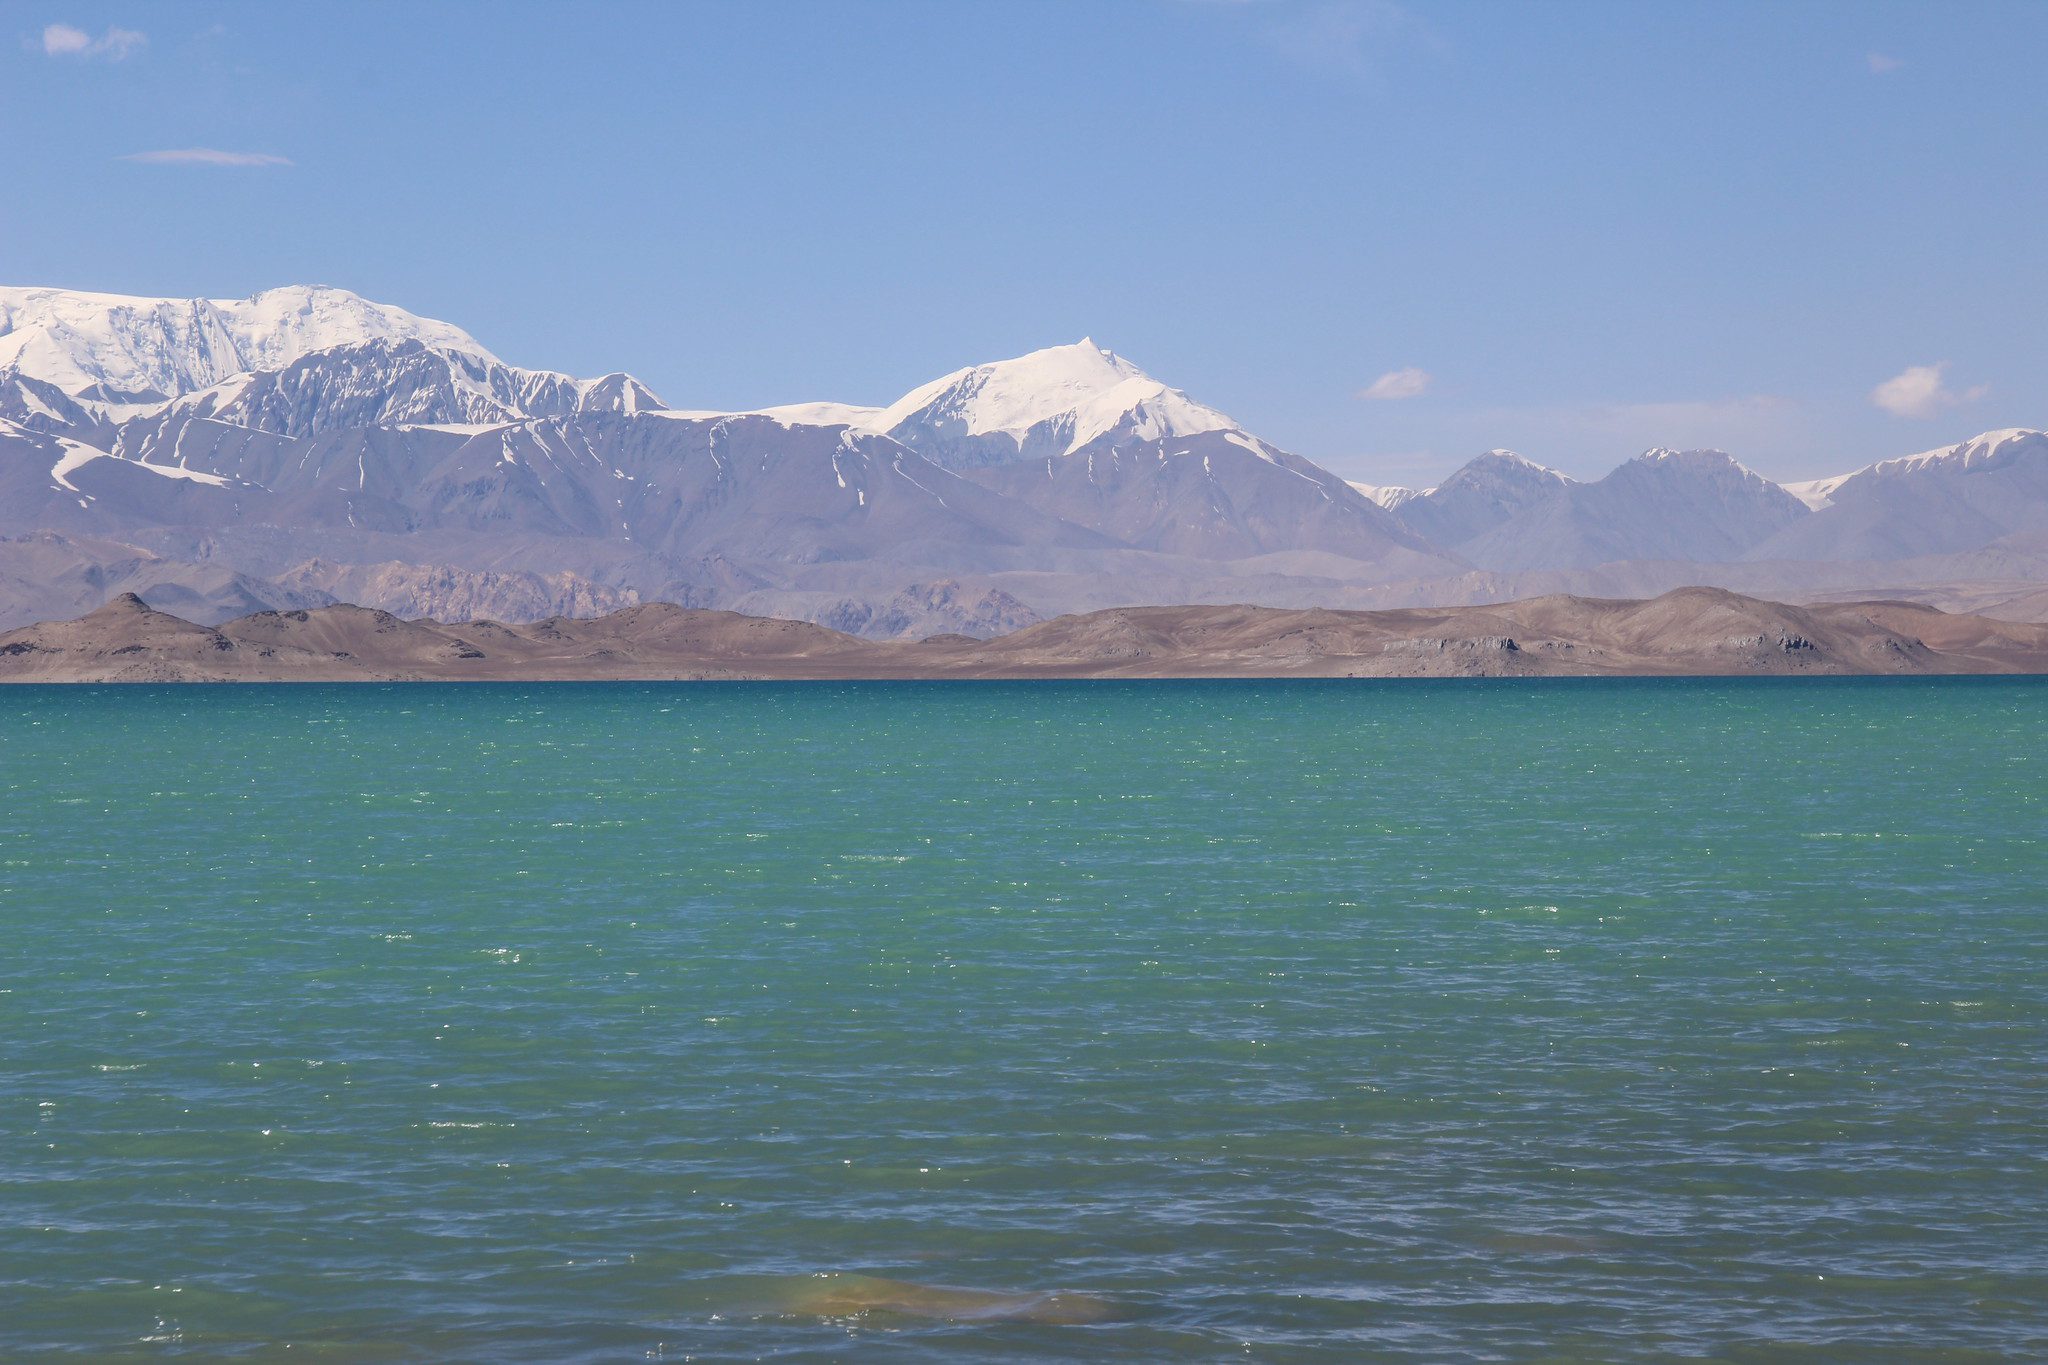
[78,455]
[1817,493]
[1390,495]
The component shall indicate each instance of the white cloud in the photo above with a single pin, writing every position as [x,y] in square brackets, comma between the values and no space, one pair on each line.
[63,40]
[1881,65]
[1922,391]
[1404,383]
[206,156]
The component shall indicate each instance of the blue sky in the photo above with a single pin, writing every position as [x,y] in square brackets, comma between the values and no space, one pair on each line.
[1571,229]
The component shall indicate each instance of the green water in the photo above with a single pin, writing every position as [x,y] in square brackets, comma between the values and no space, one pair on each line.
[1413,1022]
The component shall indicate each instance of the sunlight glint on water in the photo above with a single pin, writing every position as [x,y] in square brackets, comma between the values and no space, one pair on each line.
[1652,1020]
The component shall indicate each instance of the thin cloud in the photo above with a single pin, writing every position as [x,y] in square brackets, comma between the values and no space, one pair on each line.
[1397,384]
[1881,65]
[1737,423]
[64,40]
[1922,391]
[1588,439]
[1343,36]
[206,156]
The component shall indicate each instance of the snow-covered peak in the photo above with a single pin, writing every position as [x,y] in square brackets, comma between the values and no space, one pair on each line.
[121,348]
[1502,455]
[1047,403]
[404,383]
[277,326]
[820,414]
[1698,459]
[1987,451]
[1498,466]
[1708,462]
[1991,450]
[615,392]
[1012,396]
[1699,477]
[1485,491]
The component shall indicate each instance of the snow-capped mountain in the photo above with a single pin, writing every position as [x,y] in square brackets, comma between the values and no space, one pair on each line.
[1703,507]
[1695,505]
[1081,433]
[227,455]
[1055,402]
[1213,493]
[1486,491]
[124,350]
[1068,466]
[1058,401]
[398,383]
[1957,498]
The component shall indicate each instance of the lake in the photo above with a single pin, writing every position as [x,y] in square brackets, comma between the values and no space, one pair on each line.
[1408,1021]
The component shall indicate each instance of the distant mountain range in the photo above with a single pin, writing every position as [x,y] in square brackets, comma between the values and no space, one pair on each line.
[306,446]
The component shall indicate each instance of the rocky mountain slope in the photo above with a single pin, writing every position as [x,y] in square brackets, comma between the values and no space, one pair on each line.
[306,445]
[1692,631]
[473,483]
[1695,505]
[1958,498]
[1484,493]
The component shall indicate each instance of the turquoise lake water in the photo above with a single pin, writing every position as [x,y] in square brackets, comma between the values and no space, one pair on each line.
[1518,1021]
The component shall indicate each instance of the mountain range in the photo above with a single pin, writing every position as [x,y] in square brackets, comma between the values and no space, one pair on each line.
[305,446]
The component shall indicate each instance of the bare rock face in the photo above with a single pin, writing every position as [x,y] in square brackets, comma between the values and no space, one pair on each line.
[51,576]
[447,593]
[924,609]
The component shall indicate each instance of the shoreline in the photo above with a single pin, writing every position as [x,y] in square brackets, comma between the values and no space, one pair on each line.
[1690,632]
